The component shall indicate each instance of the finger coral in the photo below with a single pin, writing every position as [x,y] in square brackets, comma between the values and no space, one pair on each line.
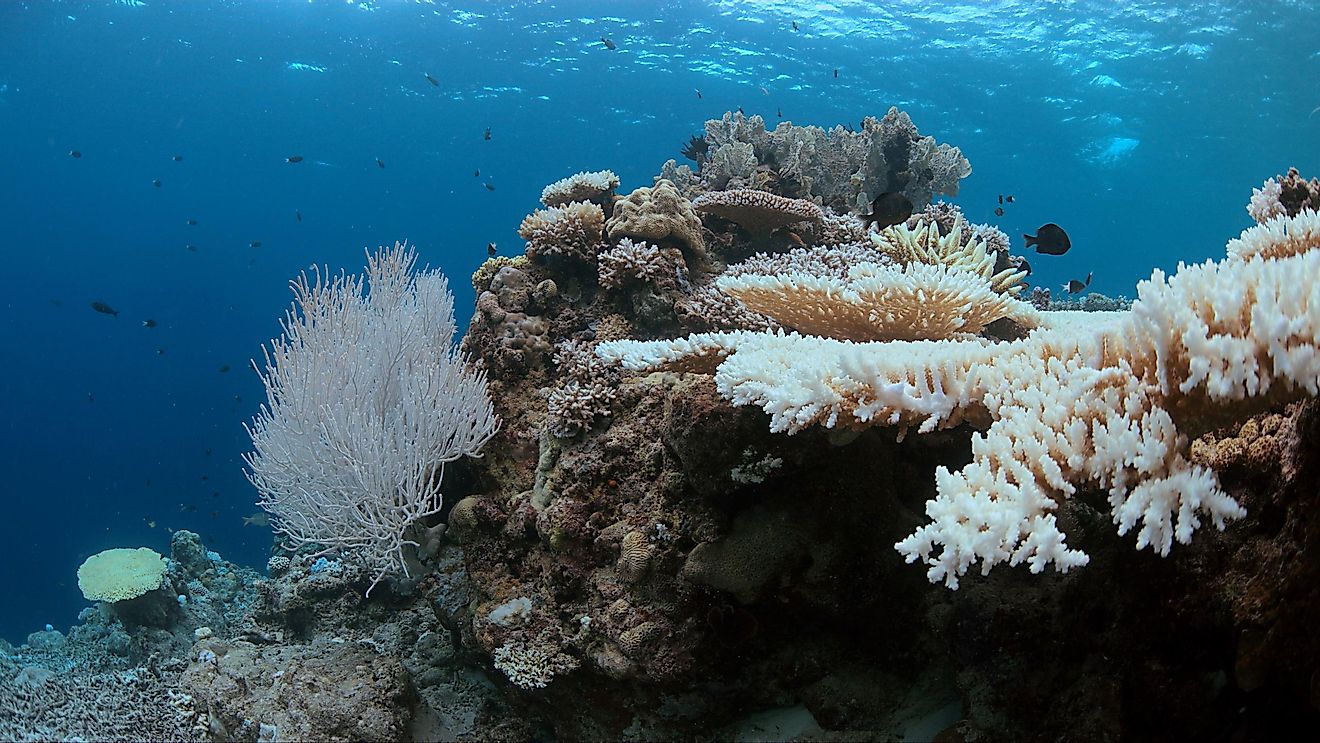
[1284,196]
[1108,402]
[957,247]
[573,231]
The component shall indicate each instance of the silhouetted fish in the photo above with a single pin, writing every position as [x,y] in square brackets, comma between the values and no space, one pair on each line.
[177,158]
[1049,239]
[779,112]
[836,71]
[293,159]
[105,309]
[698,93]
[1074,286]
[148,323]
[491,249]
[608,44]
[191,248]
[795,26]
[486,134]
[160,351]
[1001,199]
[224,368]
[156,183]
[297,215]
[431,80]
[1009,198]
[255,244]
[380,163]
[999,211]
[75,154]
[888,209]
[490,186]
[476,173]
[192,223]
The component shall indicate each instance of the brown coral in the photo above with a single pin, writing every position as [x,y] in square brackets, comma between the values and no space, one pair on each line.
[658,214]
[758,212]
[572,231]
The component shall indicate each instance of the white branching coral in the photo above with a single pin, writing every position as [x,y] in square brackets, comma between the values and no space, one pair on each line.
[924,243]
[574,230]
[658,266]
[880,302]
[532,665]
[580,187]
[586,389]
[1109,402]
[1278,237]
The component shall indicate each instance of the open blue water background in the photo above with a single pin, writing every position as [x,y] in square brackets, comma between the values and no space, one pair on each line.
[1141,127]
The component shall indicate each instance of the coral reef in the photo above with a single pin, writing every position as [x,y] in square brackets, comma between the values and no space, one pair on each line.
[661,215]
[758,212]
[597,187]
[1284,196]
[573,231]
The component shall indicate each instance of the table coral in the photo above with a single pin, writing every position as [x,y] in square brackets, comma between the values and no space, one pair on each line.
[758,212]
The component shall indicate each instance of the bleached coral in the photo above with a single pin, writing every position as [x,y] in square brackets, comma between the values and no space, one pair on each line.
[1284,196]
[816,260]
[574,230]
[924,243]
[641,261]
[585,391]
[584,186]
[1277,237]
[1106,400]
[708,309]
[875,302]
[532,665]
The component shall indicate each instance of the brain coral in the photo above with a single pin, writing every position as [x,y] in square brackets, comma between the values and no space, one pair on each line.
[658,213]
[121,574]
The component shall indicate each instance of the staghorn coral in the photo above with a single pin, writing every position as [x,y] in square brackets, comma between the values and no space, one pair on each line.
[1104,401]
[1284,196]
[572,231]
[659,214]
[1277,237]
[596,186]
[585,391]
[875,302]
[758,212]
[641,261]
[839,168]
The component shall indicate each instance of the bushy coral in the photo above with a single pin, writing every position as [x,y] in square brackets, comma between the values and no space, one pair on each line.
[596,186]
[573,231]
[641,261]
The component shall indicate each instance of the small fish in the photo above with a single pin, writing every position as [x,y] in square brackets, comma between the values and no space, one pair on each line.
[486,134]
[75,154]
[491,249]
[1001,199]
[105,309]
[160,352]
[1009,198]
[1075,287]
[90,398]
[238,399]
[215,514]
[795,26]
[764,91]
[177,158]
[156,183]
[999,211]
[888,209]
[1049,239]
[297,215]
[1021,263]
[150,523]
[224,369]
[476,173]
[796,239]
[779,112]
[608,44]
[148,323]
[698,93]
[191,248]
[192,223]
[490,186]
[187,507]
[380,163]
[261,518]
[836,72]
[431,80]
[255,244]
[293,159]
[208,453]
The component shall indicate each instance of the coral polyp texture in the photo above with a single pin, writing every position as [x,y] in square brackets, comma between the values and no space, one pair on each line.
[758,212]
[658,214]
[574,231]
[593,186]
[1108,403]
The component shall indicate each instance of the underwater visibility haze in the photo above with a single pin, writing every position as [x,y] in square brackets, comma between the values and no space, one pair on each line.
[170,167]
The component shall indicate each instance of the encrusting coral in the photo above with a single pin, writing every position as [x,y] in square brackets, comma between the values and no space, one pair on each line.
[1107,402]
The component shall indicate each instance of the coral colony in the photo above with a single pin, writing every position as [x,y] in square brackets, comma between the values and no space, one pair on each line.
[709,433]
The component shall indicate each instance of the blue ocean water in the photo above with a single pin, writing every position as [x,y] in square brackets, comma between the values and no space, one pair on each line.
[1139,126]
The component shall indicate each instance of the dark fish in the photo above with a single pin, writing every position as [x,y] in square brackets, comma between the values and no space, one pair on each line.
[1001,199]
[432,80]
[1049,239]
[999,211]
[1075,287]
[608,44]
[380,163]
[208,451]
[293,159]
[490,186]
[75,154]
[255,244]
[105,309]
[1009,198]
[191,248]
[836,71]
[215,514]
[177,158]
[1021,264]
[297,215]
[698,93]
[795,26]
[160,352]
[90,398]
[192,223]
[779,112]
[148,323]
[224,369]
[491,249]
[187,507]
[888,209]
[156,183]
[476,173]
[486,134]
